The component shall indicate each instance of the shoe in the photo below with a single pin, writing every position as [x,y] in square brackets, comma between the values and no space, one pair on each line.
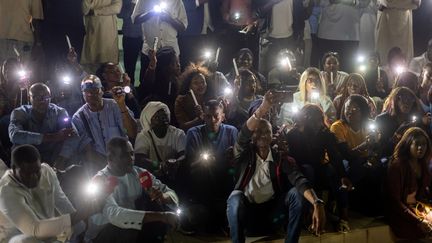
[343,226]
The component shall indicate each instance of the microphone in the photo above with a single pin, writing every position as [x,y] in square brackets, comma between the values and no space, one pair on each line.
[145,180]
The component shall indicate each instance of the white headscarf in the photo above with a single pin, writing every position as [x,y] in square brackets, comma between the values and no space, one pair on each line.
[148,112]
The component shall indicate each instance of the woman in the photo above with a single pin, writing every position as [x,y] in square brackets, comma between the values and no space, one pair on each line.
[331,74]
[188,107]
[403,110]
[407,79]
[247,94]
[396,63]
[353,84]
[245,60]
[408,182]
[376,78]
[311,90]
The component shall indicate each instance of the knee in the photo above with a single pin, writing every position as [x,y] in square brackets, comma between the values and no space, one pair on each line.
[294,200]
[235,200]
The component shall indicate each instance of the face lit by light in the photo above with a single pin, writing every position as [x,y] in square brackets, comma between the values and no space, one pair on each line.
[127,89]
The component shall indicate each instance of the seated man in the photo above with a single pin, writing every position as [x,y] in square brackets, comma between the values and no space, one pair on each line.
[99,120]
[210,172]
[159,147]
[45,125]
[270,184]
[33,207]
[137,210]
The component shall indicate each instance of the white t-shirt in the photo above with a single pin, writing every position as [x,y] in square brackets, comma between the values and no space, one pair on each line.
[282,20]
[260,188]
[167,147]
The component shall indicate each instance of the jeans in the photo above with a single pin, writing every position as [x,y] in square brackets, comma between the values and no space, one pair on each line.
[240,211]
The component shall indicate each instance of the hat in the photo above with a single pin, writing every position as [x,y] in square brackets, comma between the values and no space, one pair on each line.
[91,82]
[148,112]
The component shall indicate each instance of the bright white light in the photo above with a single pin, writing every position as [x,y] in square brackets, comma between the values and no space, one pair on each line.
[294,109]
[315,95]
[178,211]
[22,73]
[205,156]
[91,189]
[362,68]
[414,118]
[66,119]
[236,15]
[228,91]
[361,58]
[399,69]
[372,126]
[127,89]
[207,54]
[285,61]
[160,7]
[66,79]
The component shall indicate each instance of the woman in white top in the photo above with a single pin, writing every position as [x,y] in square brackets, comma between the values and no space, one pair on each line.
[312,90]
[333,78]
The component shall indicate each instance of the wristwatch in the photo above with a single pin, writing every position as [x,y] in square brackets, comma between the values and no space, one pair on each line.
[318,201]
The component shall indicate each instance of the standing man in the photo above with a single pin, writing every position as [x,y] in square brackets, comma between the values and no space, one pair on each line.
[101,40]
[162,19]
[394,27]
[20,28]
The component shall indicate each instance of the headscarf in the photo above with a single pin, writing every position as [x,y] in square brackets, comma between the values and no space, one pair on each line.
[148,112]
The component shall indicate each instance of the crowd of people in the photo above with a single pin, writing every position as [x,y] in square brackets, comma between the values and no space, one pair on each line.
[296,134]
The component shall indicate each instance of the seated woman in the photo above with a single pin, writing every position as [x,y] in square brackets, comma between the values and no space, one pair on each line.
[353,84]
[319,154]
[188,108]
[312,90]
[331,74]
[245,60]
[246,95]
[403,110]
[407,183]
[111,76]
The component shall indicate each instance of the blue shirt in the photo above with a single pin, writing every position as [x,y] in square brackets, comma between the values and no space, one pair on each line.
[103,125]
[214,143]
[25,129]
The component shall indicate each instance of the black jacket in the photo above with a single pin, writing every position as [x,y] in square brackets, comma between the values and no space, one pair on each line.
[284,172]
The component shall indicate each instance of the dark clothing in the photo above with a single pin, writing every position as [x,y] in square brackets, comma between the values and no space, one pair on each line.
[131,50]
[402,181]
[371,77]
[387,125]
[283,170]
[195,16]
[346,49]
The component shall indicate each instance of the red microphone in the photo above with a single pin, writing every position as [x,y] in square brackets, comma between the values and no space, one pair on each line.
[145,180]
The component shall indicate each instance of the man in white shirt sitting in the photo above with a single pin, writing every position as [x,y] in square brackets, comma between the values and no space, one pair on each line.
[136,211]
[417,63]
[33,207]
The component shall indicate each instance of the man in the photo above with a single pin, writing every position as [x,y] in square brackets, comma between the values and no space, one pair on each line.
[132,39]
[132,213]
[20,28]
[33,207]
[45,125]
[395,13]
[159,147]
[204,18]
[417,63]
[268,179]
[282,25]
[210,171]
[99,120]
[164,24]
